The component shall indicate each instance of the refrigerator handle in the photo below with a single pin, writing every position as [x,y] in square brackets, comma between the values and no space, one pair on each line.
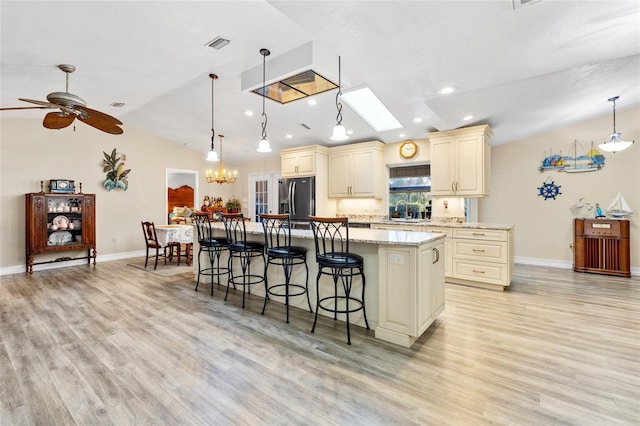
[293,199]
[289,197]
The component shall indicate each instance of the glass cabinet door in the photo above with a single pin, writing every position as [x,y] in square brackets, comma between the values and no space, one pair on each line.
[64,220]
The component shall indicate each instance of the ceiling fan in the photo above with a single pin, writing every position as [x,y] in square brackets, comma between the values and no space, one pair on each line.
[71,107]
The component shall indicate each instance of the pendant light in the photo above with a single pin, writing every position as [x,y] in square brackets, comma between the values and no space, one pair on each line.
[339,132]
[614,144]
[264,143]
[212,156]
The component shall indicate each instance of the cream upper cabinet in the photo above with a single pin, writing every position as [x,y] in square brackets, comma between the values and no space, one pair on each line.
[356,171]
[460,161]
[301,161]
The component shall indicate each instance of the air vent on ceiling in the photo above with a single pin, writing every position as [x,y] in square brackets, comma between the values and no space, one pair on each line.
[305,126]
[218,43]
[117,104]
[519,3]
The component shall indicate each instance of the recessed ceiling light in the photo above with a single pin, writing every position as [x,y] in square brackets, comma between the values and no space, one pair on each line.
[349,132]
[417,120]
[468,117]
[401,135]
[447,90]
[288,136]
[371,109]
[248,113]
[312,102]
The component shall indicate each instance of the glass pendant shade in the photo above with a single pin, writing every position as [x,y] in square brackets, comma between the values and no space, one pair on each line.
[264,146]
[339,133]
[615,144]
[212,156]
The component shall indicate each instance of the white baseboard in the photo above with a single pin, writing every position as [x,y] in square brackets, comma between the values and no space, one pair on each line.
[21,269]
[551,263]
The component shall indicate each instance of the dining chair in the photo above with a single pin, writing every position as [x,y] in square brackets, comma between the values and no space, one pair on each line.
[151,239]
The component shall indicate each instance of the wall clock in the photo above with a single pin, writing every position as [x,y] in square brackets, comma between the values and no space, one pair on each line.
[408,149]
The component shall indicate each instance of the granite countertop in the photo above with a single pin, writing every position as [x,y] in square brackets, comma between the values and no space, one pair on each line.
[440,224]
[357,235]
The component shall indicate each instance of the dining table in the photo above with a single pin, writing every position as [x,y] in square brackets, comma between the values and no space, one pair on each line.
[176,235]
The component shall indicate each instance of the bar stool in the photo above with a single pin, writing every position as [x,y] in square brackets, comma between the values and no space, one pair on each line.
[213,246]
[244,250]
[331,237]
[277,242]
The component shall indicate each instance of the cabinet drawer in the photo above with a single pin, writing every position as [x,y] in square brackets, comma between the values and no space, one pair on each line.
[492,251]
[493,273]
[481,234]
[437,230]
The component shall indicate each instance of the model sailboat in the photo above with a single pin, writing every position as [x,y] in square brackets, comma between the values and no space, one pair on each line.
[619,207]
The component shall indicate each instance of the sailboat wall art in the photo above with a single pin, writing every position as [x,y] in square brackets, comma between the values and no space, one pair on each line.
[589,161]
[619,207]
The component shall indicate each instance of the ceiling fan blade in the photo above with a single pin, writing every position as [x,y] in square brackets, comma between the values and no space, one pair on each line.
[105,126]
[9,109]
[43,103]
[97,115]
[56,120]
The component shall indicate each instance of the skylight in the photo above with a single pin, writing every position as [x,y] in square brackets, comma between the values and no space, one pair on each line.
[305,84]
[367,105]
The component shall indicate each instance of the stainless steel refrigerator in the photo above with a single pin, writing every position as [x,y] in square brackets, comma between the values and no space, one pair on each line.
[297,197]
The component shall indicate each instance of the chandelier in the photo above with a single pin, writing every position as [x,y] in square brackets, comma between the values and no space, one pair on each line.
[222,175]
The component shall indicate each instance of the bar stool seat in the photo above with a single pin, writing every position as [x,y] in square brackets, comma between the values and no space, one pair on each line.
[214,247]
[331,236]
[277,235]
[244,251]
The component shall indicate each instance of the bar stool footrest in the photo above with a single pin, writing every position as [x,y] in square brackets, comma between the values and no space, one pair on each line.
[300,290]
[335,299]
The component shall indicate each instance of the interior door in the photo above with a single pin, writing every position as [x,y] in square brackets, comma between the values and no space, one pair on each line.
[263,194]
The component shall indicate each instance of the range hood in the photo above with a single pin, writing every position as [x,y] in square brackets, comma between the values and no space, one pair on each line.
[292,75]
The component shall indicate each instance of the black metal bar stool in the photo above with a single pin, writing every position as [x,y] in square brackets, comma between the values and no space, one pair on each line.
[213,246]
[277,242]
[331,235]
[243,250]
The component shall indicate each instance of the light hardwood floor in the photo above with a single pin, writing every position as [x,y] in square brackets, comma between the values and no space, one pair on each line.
[113,344]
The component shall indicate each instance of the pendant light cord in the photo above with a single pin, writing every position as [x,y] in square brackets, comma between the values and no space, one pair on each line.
[338,104]
[264,53]
[213,133]
[614,115]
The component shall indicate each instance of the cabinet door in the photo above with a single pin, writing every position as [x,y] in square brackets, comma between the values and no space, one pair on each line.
[442,167]
[307,164]
[289,165]
[437,278]
[89,221]
[470,162]
[363,174]
[339,175]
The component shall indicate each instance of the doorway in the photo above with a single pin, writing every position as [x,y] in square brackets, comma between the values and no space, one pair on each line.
[263,194]
[181,188]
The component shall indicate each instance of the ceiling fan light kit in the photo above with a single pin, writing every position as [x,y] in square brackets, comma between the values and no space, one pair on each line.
[71,107]
[615,142]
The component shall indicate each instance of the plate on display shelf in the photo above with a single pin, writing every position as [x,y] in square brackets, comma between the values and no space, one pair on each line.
[61,221]
[59,238]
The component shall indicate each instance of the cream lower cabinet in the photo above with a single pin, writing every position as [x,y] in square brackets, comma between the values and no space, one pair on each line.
[482,257]
[447,245]
[460,162]
[356,171]
[411,290]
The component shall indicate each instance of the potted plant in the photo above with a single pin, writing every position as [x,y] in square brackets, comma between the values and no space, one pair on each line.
[233,205]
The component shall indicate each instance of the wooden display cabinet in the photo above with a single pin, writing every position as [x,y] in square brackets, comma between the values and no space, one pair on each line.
[58,223]
[602,246]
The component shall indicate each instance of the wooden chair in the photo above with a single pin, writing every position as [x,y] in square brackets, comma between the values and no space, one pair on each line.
[149,231]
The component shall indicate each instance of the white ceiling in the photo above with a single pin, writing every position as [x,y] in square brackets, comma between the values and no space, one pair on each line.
[523,70]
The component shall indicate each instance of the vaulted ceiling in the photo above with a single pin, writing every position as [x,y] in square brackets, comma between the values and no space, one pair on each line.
[523,69]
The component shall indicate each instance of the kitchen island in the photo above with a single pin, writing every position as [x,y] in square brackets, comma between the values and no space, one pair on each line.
[404,278]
